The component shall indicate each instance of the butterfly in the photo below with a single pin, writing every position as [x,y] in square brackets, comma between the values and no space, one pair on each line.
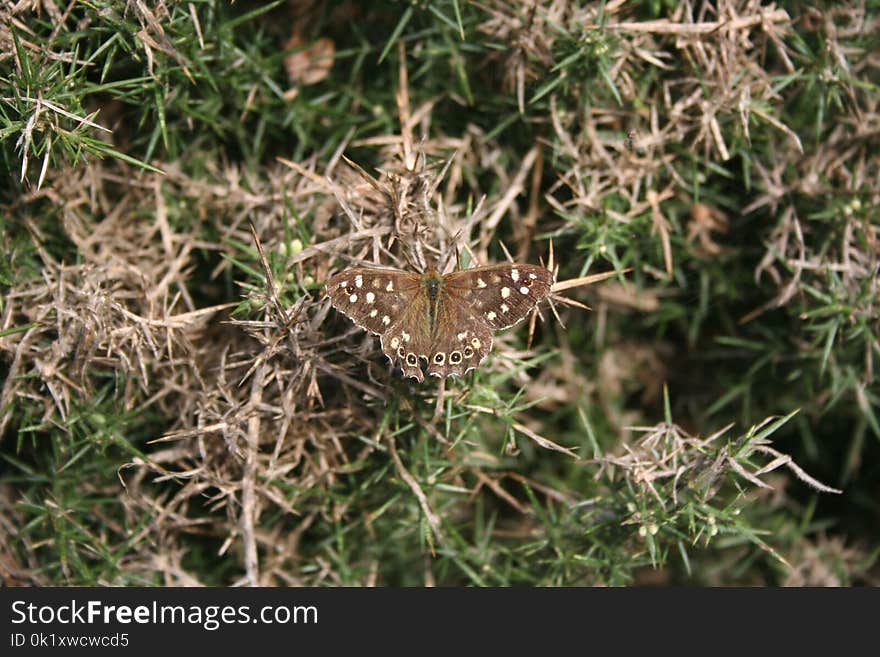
[444,322]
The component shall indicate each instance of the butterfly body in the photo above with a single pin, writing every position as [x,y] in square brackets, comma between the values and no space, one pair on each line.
[432,282]
[444,321]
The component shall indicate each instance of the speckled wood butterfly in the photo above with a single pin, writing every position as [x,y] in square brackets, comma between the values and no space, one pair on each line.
[443,321]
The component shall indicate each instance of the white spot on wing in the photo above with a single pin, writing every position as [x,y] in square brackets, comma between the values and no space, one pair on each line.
[481,282]
[514,274]
[358,280]
[390,286]
[491,315]
[386,320]
[370,297]
[504,307]
[353,298]
[523,290]
[505,292]
[374,312]
[461,336]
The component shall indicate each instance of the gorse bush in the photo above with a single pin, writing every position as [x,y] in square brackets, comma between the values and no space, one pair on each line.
[180,403]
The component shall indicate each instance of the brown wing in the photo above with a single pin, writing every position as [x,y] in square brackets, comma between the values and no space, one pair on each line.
[500,295]
[461,340]
[408,339]
[372,298]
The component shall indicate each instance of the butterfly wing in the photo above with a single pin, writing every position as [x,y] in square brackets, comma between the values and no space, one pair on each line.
[500,295]
[408,339]
[373,298]
[461,340]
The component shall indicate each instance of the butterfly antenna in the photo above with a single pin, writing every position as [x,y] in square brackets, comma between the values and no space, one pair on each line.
[409,261]
[415,257]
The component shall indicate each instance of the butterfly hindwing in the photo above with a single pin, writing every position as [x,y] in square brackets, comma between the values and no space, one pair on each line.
[373,298]
[408,339]
[500,295]
[463,346]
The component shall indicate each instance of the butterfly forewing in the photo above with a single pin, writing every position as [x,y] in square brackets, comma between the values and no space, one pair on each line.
[373,298]
[500,295]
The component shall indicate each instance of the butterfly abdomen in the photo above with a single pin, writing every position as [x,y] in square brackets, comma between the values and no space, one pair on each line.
[432,283]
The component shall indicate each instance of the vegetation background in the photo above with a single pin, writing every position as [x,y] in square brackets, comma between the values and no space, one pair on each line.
[164,423]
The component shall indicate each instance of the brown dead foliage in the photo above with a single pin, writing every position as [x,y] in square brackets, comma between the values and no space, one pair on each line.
[829,561]
[261,412]
[611,151]
[125,308]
